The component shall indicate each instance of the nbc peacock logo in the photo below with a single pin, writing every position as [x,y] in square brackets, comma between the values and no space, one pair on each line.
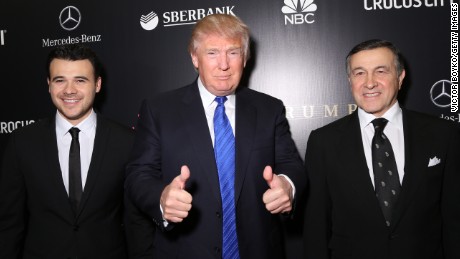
[299,11]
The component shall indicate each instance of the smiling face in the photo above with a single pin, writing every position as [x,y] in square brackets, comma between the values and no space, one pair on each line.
[73,87]
[220,62]
[374,80]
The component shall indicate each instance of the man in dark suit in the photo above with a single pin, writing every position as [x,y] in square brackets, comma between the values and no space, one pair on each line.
[399,203]
[177,170]
[47,210]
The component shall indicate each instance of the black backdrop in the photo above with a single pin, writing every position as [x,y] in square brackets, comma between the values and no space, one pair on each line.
[297,56]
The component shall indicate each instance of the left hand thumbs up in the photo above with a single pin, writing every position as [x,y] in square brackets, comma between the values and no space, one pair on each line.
[278,198]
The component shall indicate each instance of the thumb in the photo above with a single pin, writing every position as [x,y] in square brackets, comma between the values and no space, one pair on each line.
[268,175]
[181,179]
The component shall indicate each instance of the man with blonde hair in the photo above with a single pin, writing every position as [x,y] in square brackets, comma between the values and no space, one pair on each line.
[213,162]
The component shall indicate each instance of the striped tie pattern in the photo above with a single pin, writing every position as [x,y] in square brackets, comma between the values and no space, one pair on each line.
[224,149]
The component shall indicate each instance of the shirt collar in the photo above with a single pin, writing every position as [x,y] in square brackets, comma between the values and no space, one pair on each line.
[208,98]
[393,115]
[63,126]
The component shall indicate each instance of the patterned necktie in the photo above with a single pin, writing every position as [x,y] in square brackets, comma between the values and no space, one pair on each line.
[75,188]
[386,178]
[224,149]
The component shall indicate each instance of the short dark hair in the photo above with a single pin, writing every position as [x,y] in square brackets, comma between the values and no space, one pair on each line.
[74,52]
[374,44]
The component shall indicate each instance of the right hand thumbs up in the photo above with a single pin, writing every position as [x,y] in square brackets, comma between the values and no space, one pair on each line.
[181,179]
[175,201]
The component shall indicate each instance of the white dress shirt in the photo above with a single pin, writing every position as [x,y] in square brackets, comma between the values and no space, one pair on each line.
[86,137]
[209,105]
[393,130]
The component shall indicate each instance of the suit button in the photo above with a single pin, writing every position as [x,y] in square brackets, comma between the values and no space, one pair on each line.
[217,250]
[75,228]
[218,214]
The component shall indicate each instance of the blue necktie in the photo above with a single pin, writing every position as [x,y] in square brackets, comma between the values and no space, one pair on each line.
[224,149]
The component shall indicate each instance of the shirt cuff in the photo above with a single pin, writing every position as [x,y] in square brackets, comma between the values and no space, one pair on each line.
[290,182]
[165,222]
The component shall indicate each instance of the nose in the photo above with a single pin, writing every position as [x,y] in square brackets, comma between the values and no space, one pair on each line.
[223,62]
[370,82]
[70,89]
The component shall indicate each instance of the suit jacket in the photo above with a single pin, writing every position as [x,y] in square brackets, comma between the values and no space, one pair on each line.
[36,218]
[173,131]
[343,217]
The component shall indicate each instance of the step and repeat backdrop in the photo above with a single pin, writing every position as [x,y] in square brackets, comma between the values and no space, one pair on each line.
[298,55]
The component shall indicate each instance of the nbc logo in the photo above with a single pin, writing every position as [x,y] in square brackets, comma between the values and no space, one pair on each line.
[298,11]
[2,37]
[149,21]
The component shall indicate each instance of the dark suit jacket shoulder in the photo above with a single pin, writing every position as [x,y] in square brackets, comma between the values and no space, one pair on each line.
[36,219]
[172,131]
[343,218]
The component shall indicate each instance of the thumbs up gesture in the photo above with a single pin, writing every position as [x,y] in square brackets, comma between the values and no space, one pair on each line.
[278,197]
[175,201]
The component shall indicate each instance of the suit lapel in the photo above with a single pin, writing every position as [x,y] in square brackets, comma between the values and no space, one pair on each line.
[196,125]
[353,158]
[245,127]
[53,171]
[414,147]
[100,145]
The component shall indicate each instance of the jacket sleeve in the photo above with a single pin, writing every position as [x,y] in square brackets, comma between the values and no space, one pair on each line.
[143,183]
[450,198]
[140,230]
[12,203]
[317,224]
[287,158]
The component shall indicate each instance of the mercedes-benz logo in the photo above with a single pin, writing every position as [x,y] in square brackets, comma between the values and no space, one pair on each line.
[69,18]
[440,93]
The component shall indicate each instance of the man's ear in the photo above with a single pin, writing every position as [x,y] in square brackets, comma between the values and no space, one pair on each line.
[401,78]
[194,60]
[98,84]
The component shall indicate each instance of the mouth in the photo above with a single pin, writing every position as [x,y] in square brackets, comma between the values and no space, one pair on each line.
[371,94]
[70,101]
[225,77]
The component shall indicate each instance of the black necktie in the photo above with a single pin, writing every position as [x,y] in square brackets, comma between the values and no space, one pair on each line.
[75,188]
[386,178]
